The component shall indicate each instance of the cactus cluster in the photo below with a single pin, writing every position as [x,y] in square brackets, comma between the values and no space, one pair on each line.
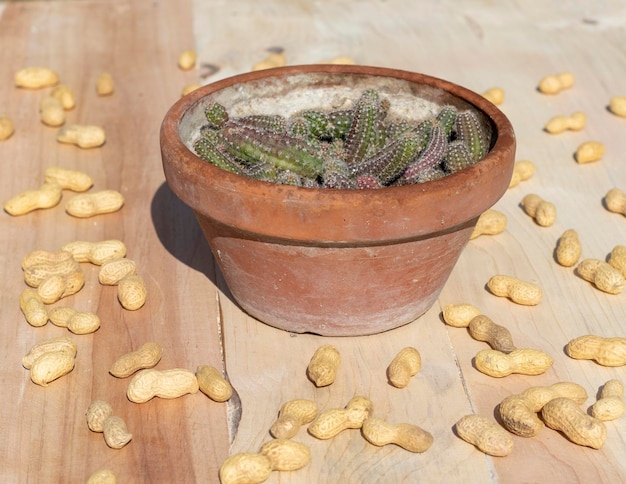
[353,148]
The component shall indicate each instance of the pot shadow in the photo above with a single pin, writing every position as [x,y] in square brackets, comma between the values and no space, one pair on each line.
[178,231]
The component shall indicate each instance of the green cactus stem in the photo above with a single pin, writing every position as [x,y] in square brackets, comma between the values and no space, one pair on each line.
[392,160]
[380,138]
[363,128]
[457,157]
[395,129]
[336,174]
[431,174]
[216,115]
[208,149]
[283,151]
[299,128]
[274,123]
[446,118]
[319,124]
[429,157]
[262,171]
[341,121]
[469,131]
[394,157]
[287,177]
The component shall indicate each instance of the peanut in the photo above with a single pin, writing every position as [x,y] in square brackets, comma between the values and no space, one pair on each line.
[77,322]
[187,60]
[342,59]
[95,252]
[51,289]
[116,434]
[97,412]
[518,291]
[245,468]
[553,84]
[105,85]
[602,275]
[147,356]
[52,365]
[102,476]
[74,180]
[519,412]
[490,222]
[36,77]
[559,124]
[213,384]
[408,436]
[542,211]
[292,415]
[566,416]
[617,105]
[57,287]
[459,315]
[404,365]
[610,405]
[150,383]
[331,422]
[485,434]
[46,196]
[286,455]
[131,292]
[33,308]
[96,203]
[494,95]
[273,59]
[617,258]
[65,95]
[604,351]
[114,270]
[60,343]
[37,257]
[568,248]
[60,315]
[522,171]
[40,265]
[189,88]
[51,112]
[6,128]
[615,200]
[524,361]
[589,151]
[482,328]
[81,135]
[322,369]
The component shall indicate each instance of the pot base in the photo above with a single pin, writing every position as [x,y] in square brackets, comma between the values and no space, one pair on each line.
[335,291]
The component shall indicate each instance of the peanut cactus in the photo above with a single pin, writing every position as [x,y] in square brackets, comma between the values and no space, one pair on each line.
[357,148]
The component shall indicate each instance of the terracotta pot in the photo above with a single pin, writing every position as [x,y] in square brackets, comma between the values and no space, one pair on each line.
[327,261]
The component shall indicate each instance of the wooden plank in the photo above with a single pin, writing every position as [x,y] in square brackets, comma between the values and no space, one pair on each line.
[185,440]
[481,45]
[45,437]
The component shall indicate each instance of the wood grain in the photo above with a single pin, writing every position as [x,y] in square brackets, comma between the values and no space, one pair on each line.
[45,436]
[189,309]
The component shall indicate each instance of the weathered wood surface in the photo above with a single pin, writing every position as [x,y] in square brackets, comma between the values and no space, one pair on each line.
[479,44]
[45,437]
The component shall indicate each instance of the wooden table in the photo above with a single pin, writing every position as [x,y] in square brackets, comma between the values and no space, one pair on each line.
[189,312]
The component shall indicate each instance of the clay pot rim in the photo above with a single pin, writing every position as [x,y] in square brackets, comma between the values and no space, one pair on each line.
[186,163]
